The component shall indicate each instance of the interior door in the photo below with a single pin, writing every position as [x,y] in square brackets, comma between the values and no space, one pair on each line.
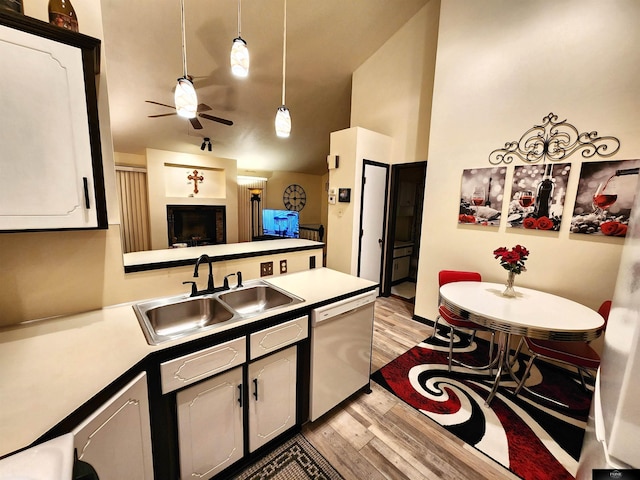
[373,214]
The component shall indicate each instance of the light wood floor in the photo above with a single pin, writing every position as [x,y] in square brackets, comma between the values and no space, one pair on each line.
[377,436]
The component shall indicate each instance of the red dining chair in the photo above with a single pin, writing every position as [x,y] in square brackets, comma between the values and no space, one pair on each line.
[576,354]
[455,322]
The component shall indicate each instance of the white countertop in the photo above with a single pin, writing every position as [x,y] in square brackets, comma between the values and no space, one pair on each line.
[223,250]
[51,367]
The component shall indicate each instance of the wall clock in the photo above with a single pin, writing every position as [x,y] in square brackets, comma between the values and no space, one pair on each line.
[294,197]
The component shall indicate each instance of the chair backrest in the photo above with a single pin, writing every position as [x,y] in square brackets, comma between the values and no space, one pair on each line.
[604,310]
[449,276]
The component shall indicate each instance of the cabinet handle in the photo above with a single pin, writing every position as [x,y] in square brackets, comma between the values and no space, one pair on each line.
[86,192]
[240,395]
[255,388]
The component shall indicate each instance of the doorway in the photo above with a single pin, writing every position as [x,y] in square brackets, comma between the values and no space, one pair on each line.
[405,225]
[373,214]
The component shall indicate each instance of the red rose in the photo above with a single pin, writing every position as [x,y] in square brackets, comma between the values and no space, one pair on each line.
[544,223]
[498,252]
[521,250]
[609,228]
[462,218]
[621,231]
[529,222]
[511,257]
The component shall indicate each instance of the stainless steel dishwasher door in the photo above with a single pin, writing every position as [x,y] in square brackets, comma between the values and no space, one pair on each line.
[341,337]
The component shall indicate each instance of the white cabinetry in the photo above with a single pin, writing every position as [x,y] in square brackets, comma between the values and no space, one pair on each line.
[210,429]
[52,174]
[116,439]
[272,406]
[401,262]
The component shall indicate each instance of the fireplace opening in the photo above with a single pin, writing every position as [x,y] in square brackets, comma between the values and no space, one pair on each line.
[196,225]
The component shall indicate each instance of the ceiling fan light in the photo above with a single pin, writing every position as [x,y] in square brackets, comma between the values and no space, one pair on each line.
[186,99]
[239,58]
[283,122]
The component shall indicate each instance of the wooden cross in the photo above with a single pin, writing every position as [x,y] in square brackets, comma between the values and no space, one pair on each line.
[196,178]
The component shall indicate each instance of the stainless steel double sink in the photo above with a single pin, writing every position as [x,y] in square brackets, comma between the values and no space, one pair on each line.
[169,318]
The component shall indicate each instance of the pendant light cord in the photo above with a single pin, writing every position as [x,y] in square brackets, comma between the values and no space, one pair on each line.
[239,18]
[184,41]
[284,51]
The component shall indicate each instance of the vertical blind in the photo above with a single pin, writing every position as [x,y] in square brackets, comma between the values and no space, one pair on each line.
[134,208]
[244,208]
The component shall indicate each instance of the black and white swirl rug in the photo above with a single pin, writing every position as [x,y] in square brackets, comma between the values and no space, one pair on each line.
[534,439]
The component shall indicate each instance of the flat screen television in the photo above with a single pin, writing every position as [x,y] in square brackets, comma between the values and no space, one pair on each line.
[280,223]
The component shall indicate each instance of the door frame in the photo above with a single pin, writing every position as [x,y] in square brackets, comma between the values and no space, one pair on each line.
[384,214]
[385,287]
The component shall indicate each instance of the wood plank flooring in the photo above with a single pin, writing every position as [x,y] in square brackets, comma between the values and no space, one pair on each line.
[377,436]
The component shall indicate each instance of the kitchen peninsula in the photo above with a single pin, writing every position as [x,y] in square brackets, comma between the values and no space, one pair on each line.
[175,257]
[58,370]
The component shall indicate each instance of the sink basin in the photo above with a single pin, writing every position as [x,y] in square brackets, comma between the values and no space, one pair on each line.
[169,318]
[166,319]
[256,299]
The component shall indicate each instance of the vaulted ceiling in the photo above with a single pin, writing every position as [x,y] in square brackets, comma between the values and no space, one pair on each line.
[326,41]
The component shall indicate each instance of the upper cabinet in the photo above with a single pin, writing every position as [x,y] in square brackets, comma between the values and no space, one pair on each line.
[51,174]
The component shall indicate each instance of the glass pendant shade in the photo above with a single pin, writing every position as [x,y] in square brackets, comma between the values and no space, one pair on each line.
[283,122]
[239,58]
[186,99]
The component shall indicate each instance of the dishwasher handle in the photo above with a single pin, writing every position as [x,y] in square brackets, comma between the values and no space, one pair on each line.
[333,310]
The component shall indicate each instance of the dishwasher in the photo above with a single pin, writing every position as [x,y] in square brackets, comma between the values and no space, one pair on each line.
[341,341]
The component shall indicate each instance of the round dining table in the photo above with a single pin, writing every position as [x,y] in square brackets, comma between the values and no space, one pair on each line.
[531,313]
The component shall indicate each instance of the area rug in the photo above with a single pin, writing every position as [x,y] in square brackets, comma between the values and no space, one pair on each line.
[533,438]
[296,459]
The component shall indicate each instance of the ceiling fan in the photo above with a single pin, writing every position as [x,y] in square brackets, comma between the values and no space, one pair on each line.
[194,121]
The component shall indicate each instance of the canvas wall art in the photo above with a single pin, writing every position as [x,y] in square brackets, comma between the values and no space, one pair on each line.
[606,192]
[537,196]
[481,196]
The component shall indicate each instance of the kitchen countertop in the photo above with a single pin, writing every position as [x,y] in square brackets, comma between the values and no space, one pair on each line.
[49,368]
[156,259]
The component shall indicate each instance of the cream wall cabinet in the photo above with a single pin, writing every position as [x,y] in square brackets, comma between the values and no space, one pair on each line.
[272,399]
[116,439]
[51,162]
[210,427]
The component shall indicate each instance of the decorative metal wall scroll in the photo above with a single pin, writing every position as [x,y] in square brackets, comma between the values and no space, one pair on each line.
[554,141]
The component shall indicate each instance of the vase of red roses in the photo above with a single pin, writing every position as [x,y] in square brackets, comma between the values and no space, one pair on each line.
[512,261]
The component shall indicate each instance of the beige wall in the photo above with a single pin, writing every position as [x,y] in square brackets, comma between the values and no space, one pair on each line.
[353,146]
[392,89]
[496,78]
[313,187]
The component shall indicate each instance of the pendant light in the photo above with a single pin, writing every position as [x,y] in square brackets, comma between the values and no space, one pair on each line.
[283,117]
[185,96]
[239,52]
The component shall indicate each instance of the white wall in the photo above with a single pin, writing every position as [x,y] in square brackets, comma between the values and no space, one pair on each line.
[501,67]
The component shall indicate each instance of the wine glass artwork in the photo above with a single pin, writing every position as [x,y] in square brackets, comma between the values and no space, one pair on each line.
[477,197]
[526,199]
[603,197]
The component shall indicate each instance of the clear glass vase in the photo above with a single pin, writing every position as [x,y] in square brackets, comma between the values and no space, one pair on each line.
[509,291]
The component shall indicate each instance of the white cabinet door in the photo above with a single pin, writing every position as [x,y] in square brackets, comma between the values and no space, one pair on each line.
[400,268]
[272,399]
[47,176]
[116,439]
[210,436]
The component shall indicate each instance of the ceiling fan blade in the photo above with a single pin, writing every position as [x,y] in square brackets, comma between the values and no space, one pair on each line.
[195,123]
[161,104]
[162,115]
[216,119]
[203,108]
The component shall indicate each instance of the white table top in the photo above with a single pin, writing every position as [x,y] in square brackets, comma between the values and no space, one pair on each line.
[531,313]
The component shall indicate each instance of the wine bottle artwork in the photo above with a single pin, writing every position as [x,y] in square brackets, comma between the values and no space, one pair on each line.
[544,194]
[477,197]
[607,192]
[63,15]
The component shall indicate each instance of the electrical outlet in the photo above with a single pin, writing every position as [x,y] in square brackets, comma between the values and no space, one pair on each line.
[266,268]
[283,266]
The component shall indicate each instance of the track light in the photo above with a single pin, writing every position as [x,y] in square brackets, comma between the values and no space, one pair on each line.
[206,143]
[239,52]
